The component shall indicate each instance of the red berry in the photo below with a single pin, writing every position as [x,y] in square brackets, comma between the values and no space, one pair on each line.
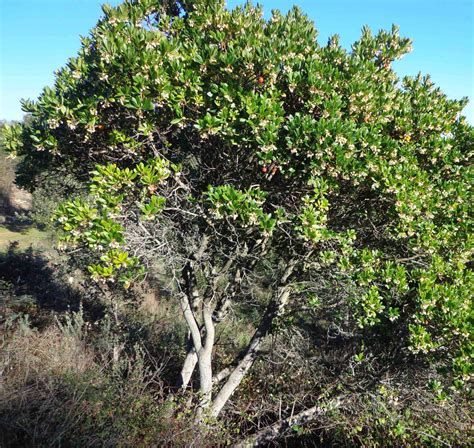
[264,169]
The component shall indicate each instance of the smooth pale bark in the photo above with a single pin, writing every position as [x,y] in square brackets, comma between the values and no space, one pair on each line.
[189,300]
[117,350]
[205,360]
[191,322]
[205,380]
[187,370]
[203,341]
[191,356]
[191,360]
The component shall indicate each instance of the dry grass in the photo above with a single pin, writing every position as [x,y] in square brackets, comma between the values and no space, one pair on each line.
[38,399]
[57,388]
[32,356]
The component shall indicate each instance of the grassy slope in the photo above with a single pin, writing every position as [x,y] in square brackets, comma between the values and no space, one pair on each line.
[26,237]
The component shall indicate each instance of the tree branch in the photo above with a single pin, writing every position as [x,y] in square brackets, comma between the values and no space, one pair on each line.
[270,433]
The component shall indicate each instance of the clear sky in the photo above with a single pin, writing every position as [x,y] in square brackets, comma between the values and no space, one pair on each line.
[37,37]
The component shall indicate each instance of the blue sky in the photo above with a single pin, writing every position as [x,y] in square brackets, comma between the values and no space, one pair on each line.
[37,37]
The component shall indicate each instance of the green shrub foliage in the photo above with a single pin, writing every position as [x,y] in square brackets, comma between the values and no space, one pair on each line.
[246,131]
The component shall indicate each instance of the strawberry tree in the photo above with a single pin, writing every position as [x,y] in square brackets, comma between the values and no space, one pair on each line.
[242,152]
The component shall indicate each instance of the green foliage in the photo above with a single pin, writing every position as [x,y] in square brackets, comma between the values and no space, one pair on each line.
[11,137]
[242,206]
[92,223]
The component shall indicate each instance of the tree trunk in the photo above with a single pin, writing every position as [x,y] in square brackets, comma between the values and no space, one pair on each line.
[205,360]
[191,356]
[205,379]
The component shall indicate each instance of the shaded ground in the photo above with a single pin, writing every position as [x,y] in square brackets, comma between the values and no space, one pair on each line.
[27,275]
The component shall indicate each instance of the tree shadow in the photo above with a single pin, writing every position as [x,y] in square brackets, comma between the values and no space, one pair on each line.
[16,225]
[32,277]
